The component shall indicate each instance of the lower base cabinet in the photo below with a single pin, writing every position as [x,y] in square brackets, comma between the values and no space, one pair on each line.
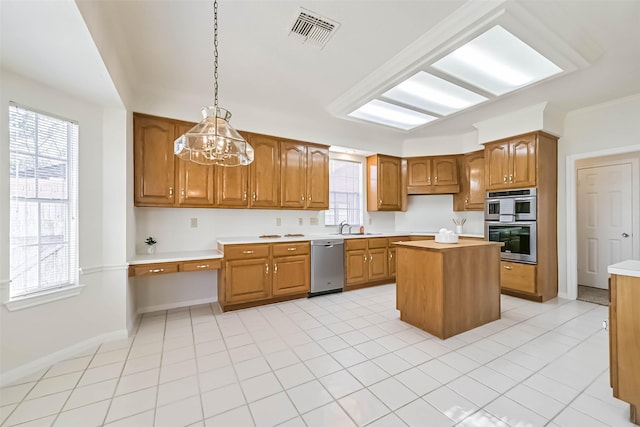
[370,260]
[255,274]
[518,277]
[624,341]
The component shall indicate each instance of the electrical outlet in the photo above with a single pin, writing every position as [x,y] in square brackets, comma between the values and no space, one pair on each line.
[300,221]
[278,222]
[194,222]
[313,221]
[370,220]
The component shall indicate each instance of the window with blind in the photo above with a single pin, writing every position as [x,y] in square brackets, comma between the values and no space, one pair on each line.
[345,193]
[43,202]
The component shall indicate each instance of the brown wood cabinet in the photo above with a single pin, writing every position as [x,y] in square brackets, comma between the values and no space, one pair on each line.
[472,189]
[370,261]
[432,175]
[624,341]
[254,274]
[511,163]
[518,276]
[384,178]
[304,176]
[150,269]
[284,174]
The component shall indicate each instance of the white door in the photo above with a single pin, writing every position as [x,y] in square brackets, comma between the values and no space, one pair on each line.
[604,221]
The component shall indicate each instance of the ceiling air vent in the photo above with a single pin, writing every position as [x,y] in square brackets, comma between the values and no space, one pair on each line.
[313,29]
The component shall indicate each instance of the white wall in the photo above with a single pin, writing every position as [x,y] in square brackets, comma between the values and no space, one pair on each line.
[430,213]
[599,130]
[37,336]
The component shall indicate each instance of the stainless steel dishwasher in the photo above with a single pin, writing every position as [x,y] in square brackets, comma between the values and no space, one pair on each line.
[327,266]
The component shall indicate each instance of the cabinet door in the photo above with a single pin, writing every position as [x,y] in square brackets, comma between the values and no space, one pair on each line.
[517,276]
[522,171]
[265,172]
[356,263]
[317,178]
[195,182]
[392,262]
[497,165]
[231,186]
[293,187]
[247,280]
[419,170]
[474,175]
[378,264]
[389,170]
[445,170]
[291,275]
[153,166]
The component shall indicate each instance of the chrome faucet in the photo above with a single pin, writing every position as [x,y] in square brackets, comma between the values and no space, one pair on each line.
[341,227]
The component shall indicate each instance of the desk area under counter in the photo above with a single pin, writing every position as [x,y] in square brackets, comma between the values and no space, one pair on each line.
[174,262]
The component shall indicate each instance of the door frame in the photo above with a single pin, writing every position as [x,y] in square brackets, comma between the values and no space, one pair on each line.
[572,215]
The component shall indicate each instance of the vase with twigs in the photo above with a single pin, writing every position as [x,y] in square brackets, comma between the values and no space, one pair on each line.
[459,222]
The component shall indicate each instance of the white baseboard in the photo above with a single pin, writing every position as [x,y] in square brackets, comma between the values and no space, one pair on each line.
[34,366]
[563,295]
[132,326]
[152,308]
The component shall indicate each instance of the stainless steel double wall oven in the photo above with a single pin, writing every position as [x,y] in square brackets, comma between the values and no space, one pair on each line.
[510,218]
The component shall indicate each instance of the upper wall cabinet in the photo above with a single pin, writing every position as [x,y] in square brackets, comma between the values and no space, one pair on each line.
[472,189]
[304,175]
[160,178]
[432,175]
[511,163]
[284,174]
[384,179]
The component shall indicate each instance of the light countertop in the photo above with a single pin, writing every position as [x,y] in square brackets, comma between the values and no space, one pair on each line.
[175,256]
[284,238]
[432,245]
[630,267]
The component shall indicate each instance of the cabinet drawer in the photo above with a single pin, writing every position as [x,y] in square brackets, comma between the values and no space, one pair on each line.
[377,242]
[246,251]
[204,264]
[416,237]
[519,277]
[353,244]
[288,249]
[150,269]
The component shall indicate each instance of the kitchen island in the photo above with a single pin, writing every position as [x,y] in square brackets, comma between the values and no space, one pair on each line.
[448,288]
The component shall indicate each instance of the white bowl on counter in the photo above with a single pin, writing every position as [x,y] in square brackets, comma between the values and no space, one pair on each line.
[446,238]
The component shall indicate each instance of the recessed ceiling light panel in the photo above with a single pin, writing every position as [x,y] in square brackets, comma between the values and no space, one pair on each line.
[431,93]
[384,113]
[498,62]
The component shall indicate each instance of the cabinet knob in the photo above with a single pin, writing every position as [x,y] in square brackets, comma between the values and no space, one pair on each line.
[275,268]
[253,196]
[365,258]
[302,198]
[170,192]
[436,179]
[266,268]
[309,197]
[504,178]
[370,258]
[510,178]
[380,202]
[182,193]
[244,196]
[466,201]
[390,255]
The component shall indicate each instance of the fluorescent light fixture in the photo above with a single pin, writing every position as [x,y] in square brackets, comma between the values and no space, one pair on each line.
[498,62]
[431,93]
[391,115]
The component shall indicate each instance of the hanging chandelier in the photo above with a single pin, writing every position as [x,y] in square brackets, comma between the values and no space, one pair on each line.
[214,141]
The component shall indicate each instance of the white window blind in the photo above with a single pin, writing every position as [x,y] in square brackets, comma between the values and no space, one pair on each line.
[345,192]
[43,202]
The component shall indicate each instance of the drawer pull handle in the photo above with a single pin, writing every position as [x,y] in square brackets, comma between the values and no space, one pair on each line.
[302,198]
[292,249]
[170,192]
[275,268]
[309,197]
[390,255]
[244,196]
[370,258]
[506,267]
[365,258]
[156,270]
[266,268]
[504,178]
[202,266]
[254,196]
[247,252]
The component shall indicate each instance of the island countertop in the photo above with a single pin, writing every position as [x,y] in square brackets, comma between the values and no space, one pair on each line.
[432,245]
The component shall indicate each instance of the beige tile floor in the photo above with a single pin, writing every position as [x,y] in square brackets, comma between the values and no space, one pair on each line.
[335,360]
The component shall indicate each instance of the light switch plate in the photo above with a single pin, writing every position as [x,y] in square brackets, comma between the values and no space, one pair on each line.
[278,222]
[313,221]
[300,221]
[194,222]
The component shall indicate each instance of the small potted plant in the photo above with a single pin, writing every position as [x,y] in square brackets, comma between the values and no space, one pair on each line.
[151,245]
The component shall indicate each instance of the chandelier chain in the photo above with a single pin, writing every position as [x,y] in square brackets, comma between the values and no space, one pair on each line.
[215,54]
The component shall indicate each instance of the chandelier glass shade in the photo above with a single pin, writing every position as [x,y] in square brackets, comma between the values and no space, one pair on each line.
[214,141]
